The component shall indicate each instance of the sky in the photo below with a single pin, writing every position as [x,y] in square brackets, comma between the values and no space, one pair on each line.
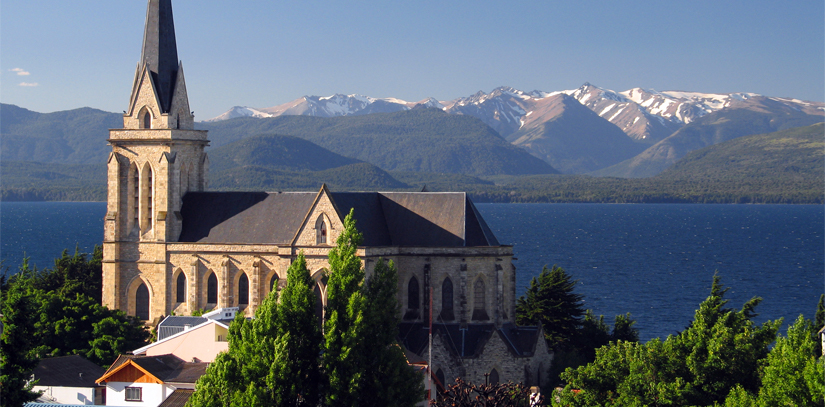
[61,55]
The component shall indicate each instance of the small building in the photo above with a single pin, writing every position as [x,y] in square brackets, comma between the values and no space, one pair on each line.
[193,339]
[69,380]
[149,381]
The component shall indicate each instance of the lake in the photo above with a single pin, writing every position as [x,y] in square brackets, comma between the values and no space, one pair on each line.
[655,261]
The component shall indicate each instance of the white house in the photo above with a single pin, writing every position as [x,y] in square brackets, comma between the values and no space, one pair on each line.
[69,380]
[147,381]
[193,339]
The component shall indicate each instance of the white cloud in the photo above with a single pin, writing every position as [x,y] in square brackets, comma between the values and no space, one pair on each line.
[28,84]
[20,71]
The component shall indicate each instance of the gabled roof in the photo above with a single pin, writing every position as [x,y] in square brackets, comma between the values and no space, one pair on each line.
[178,398]
[412,219]
[178,332]
[67,371]
[161,368]
[470,342]
[173,325]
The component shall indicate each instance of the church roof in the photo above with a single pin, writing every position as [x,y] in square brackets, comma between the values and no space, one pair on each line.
[160,51]
[413,219]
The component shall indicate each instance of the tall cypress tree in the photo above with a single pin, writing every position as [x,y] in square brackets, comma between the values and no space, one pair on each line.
[272,359]
[345,309]
[550,300]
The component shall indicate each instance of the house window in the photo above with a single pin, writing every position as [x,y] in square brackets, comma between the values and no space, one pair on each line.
[134,394]
[447,300]
[243,290]
[181,288]
[142,302]
[212,289]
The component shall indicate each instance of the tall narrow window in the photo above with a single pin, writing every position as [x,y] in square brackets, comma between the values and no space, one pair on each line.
[320,231]
[136,206]
[447,300]
[147,120]
[273,283]
[319,304]
[412,299]
[149,199]
[212,289]
[142,302]
[494,377]
[439,374]
[479,302]
[180,292]
[243,290]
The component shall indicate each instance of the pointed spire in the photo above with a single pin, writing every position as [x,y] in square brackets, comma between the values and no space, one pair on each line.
[160,51]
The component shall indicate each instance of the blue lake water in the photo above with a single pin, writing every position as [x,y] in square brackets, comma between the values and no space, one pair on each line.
[654,261]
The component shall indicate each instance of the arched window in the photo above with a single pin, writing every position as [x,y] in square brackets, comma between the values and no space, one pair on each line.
[320,231]
[479,301]
[273,283]
[146,119]
[177,122]
[439,374]
[412,299]
[142,302]
[212,289]
[447,313]
[319,304]
[180,292]
[243,290]
[494,376]
[146,187]
[136,204]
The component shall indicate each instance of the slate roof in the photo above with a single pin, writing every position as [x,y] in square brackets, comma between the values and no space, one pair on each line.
[469,343]
[166,368]
[417,219]
[160,50]
[67,371]
[172,325]
[178,398]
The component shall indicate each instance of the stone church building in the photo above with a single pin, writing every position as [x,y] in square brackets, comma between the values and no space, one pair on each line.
[172,246]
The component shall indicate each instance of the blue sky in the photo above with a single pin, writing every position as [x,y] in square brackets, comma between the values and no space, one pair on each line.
[262,53]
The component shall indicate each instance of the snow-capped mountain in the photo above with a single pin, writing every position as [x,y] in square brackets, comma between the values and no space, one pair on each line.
[646,116]
[329,106]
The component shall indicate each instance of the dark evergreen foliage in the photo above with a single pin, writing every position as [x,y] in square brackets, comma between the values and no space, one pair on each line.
[551,302]
[17,358]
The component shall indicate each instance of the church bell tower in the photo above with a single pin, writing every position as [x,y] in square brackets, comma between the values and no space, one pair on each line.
[156,158]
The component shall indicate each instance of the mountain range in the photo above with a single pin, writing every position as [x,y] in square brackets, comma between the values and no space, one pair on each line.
[620,139]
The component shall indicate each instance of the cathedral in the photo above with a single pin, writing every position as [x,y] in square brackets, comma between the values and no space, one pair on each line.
[172,246]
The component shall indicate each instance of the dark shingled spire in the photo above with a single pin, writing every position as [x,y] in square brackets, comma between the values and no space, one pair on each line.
[160,51]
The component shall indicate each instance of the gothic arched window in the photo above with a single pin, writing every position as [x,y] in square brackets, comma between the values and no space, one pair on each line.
[320,231]
[180,289]
[273,283]
[243,290]
[136,189]
[413,300]
[447,313]
[146,119]
[319,304]
[142,302]
[494,376]
[212,289]
[479,301]
[439,374]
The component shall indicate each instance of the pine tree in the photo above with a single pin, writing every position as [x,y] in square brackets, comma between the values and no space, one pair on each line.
[550,300]
[16,354]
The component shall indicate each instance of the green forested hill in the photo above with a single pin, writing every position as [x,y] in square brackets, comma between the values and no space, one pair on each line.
[418,140]
[289,163]
[72,137]
[31,181]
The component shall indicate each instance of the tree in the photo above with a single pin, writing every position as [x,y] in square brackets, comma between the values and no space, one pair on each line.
[465,394]
[819,323]
[720,350]
[17,360]
[363,363]
[550,301]
[272,359]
